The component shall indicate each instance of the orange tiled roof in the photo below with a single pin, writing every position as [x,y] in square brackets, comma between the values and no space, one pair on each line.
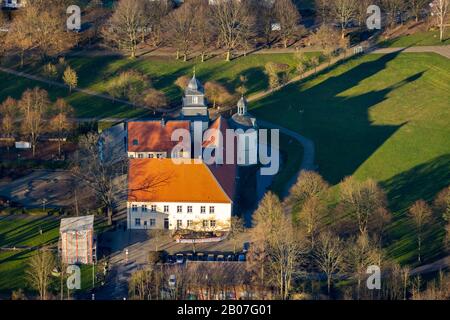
[224,173]
[153,136]
[161,180]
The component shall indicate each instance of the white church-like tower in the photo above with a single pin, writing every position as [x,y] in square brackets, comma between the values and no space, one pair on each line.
[194,103]
[247,135]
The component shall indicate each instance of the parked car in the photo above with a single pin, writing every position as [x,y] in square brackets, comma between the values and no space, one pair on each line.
[200,256]
[180,258]
[241,258]
[245,247]
[172,281]
[220,257]
[211,257]
[190,257]
[170,259]
[229,257]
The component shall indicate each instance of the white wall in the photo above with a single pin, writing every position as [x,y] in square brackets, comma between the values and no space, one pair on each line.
[222,215]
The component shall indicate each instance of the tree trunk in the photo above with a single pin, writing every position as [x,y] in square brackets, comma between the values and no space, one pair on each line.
[110,215]
[228,58]
[178,55]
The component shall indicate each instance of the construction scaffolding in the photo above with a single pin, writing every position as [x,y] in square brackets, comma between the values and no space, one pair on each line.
[77,243]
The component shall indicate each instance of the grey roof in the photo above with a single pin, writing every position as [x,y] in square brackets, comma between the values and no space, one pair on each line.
[194,87]
[243,122]
[77,224]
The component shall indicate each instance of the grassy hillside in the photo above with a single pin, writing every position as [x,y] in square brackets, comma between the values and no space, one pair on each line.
[93,73]
[427,38]
[381,116]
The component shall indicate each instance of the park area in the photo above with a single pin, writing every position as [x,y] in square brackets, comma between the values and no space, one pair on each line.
[385,117]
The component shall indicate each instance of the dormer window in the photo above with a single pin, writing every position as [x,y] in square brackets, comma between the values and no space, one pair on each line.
[135,142]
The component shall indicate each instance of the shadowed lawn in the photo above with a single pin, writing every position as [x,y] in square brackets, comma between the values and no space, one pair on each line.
[429,38]
[381,116]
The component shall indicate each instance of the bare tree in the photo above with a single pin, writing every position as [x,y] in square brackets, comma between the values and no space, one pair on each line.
[34,106]
[309,184]
[154,99]
[288,17]
[394,9]
[217,93]
[8,117]
[421,214]
[203,33]
[155,13]
[39,272]
[70,78]
[236,229]
[327,39]
[234,23]
[125,27]
[98,173]
[362,200]
[360,254]
[277,248]
[328,255]
[417,6]
[440,9]
[61,122]
[42,26]
[180,28]
[344,11]
[311,218]
[323,8]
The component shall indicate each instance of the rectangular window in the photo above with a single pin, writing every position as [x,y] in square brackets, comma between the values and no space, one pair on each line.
[152,222]
[179,223]
[205,223]
[211,209]
[140,156]
[166,209]
[189,209]
[137,222]
[153,208]
[135,142]
[202,209]
[159,155]
[134,207]
[151,155]
[195,100]
[189,223]
[144,208]
[179,209]
[212,223]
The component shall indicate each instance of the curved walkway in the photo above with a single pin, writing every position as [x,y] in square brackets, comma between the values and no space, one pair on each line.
[308,150]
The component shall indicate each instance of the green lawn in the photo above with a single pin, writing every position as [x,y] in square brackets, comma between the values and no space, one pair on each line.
[93,73]
[429,38]
[380,116]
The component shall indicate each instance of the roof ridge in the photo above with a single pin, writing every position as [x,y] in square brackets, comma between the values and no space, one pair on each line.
[217,181]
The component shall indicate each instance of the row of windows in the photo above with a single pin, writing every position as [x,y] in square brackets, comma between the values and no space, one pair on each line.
[190,223]
[151,222]
[150,156]
[153,208]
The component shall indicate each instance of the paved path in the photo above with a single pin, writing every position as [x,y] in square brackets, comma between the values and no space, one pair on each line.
[85,91]
[308,150]
[442,50]
[441,264]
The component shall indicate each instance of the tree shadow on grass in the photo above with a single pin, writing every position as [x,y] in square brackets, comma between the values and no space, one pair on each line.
[421,182]
[339,125]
